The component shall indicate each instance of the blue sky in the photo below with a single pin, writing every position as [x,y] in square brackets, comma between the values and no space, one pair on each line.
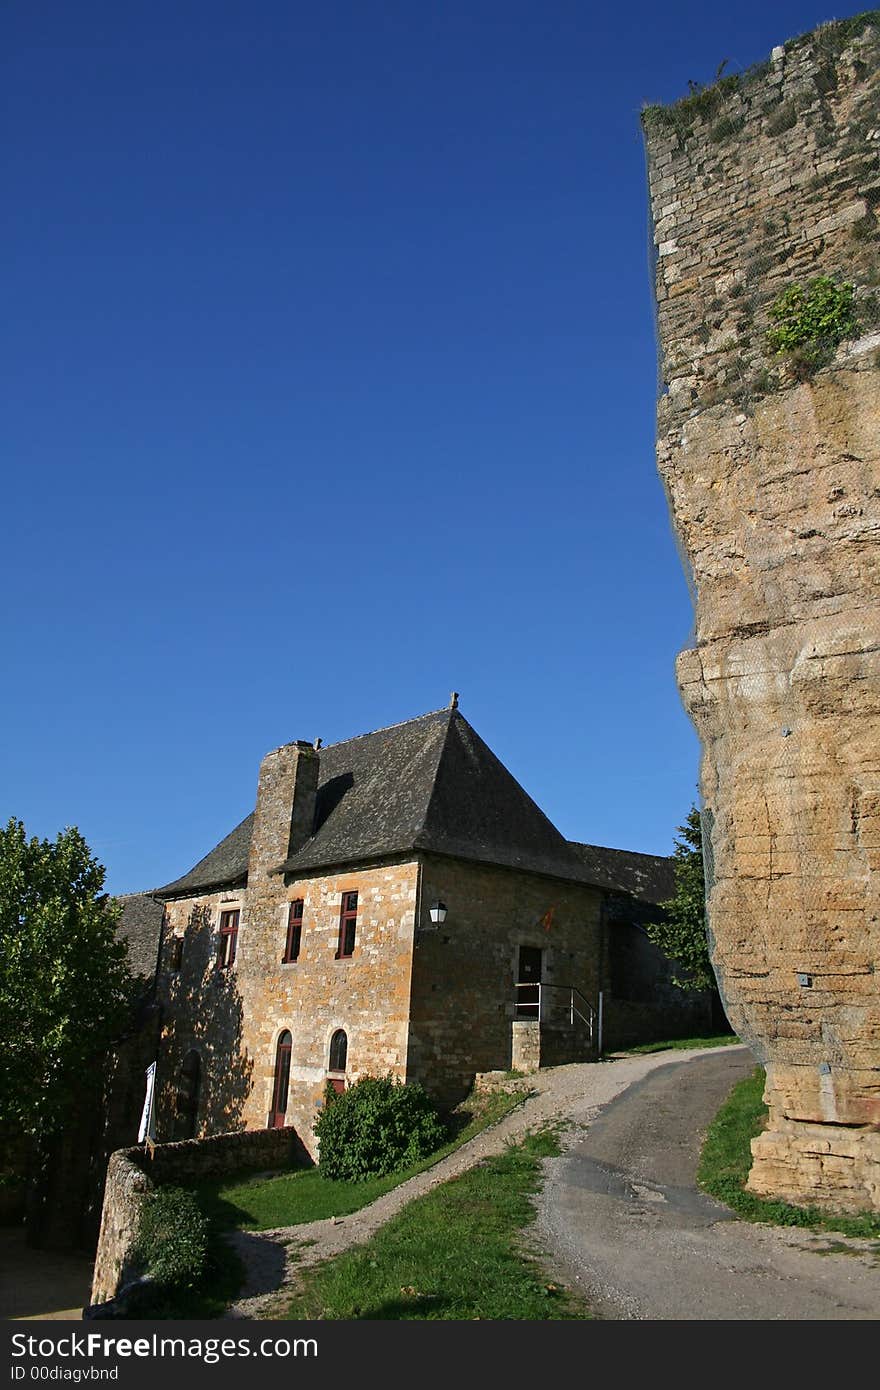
[329,389]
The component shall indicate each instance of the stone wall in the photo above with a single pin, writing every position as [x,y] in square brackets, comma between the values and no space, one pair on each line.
[463,994]
[641,1004]
[126,1188]
[132,1174]
[366,995]
[233,1018]
[773,478]
[202,1013]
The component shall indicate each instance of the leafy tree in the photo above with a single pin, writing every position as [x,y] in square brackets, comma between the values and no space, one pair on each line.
[681,934]
[65,987]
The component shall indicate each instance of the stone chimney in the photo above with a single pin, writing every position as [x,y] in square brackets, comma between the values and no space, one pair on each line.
[285,814]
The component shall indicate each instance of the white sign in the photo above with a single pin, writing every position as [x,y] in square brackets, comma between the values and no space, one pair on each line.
[147,1128]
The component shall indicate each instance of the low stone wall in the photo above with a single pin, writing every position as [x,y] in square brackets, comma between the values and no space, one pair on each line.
[125,1190]
[132,1174]
[627,1023]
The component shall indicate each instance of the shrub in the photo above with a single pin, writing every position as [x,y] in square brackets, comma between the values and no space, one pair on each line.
[375,1127]
[172,1238]
[809,323]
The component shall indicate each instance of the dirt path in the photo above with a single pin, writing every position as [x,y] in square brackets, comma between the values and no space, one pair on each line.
[577,1093]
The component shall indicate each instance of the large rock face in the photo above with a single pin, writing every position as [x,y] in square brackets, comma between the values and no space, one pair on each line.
[774,487]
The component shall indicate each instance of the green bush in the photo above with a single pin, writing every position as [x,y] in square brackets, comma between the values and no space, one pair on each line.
[377,1126]
[809,323]
[172,1239]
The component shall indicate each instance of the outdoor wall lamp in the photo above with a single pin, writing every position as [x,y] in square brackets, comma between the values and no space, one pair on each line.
[437,912]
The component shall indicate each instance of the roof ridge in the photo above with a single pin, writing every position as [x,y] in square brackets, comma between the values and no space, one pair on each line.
[612,849]
[423,828]
[446,709]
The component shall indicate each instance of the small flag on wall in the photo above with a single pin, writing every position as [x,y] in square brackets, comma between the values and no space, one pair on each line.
[547,919]
[147,1130]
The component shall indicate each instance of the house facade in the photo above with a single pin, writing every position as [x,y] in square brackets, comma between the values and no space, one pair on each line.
[302,949]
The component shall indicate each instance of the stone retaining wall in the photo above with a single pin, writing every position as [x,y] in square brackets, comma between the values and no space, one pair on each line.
[132,1174]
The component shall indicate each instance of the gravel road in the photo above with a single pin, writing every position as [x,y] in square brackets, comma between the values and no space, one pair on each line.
[627,1226]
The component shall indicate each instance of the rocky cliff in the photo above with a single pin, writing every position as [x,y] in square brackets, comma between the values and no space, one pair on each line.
[771,461]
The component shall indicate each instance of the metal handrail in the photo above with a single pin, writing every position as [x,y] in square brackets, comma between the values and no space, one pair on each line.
[589,1019]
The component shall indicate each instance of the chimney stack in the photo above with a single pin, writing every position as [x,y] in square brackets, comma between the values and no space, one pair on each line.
[285,814]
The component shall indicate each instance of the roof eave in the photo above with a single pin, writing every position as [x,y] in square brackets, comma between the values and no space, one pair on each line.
[169,893]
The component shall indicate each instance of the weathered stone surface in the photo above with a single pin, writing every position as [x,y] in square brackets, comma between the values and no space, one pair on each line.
[774,487]
[125,1191]
[133,1174]
[525,1051]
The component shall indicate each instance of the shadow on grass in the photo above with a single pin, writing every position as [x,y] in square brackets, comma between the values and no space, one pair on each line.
[218,1286]
[266,1261]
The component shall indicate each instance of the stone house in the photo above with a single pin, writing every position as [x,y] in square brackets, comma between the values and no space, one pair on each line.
[396,903]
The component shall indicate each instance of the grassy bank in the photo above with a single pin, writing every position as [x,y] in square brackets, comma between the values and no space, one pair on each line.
[679,1045]
[291,1199]
[456,1253]
[727,1157]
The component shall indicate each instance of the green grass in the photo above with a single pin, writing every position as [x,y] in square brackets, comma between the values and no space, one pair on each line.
[291,1199]
[456,1253]
[727,1157]
[722,1040]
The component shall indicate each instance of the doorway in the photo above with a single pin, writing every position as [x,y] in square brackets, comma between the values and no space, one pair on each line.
[528,980]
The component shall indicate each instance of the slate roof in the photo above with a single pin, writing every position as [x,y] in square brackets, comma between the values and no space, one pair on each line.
[429,784]
[140,923]
[646,876]
[225,866]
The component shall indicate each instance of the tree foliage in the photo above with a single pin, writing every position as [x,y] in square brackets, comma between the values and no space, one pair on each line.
[682,934]
[65,988]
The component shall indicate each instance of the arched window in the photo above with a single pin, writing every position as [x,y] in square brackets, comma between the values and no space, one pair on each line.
[186,1119]
[282,1081]
[338,1058]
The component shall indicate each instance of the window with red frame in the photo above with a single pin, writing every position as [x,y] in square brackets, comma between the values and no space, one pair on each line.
[338,1060]
[228,938]
[347,925]
[294,930]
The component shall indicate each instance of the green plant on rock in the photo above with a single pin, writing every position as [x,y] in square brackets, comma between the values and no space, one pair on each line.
[809,322]
[172,1239]
[375,1127]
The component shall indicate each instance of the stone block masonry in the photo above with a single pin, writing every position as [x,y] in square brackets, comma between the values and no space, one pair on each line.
[366,995]
[464,997]
[233,1018]
[132,1175]
[773,479]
